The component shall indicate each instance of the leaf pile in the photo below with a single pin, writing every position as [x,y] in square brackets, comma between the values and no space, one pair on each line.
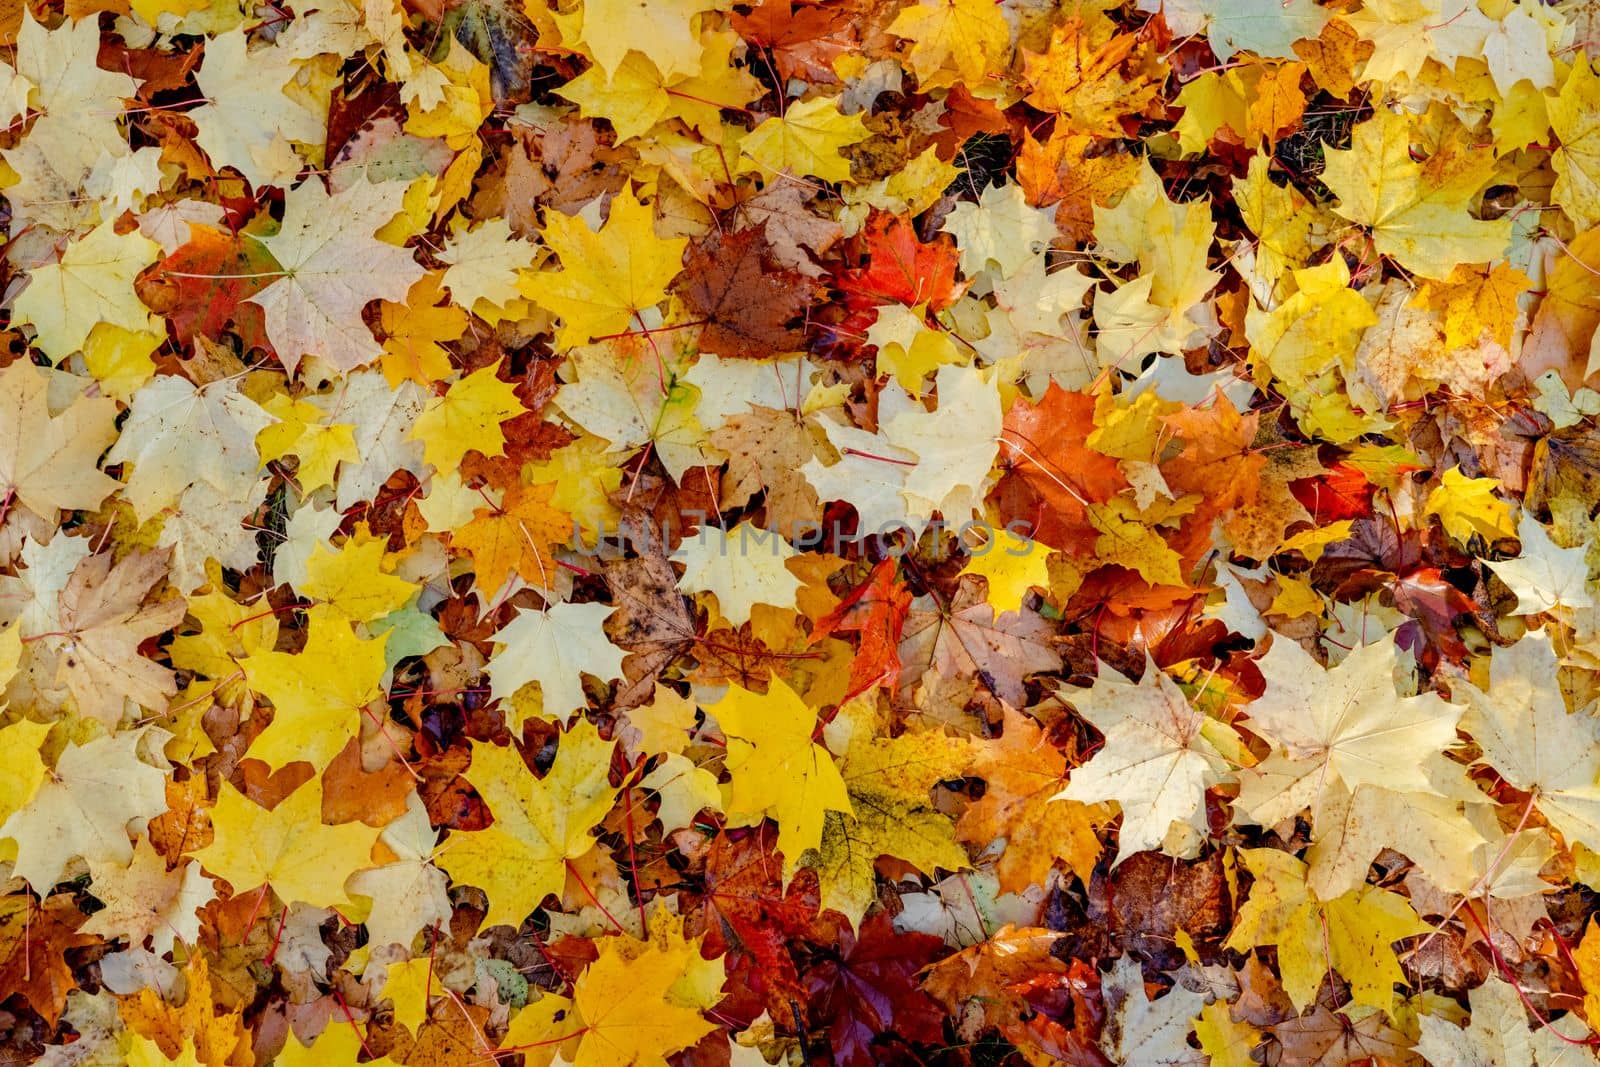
[800,531]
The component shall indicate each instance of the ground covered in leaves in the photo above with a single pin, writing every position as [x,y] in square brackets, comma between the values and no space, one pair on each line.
[946,532]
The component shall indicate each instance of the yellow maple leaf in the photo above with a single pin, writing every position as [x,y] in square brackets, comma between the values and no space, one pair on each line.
[1417,214]
[229,631]
[300,431]
[662,30]
[1295,597]
[339,1045]
[409,983]
[414,330]
[1226,1041]
[638,1002]
[143,1052]
[1079,78]
[637,96]
[585,474]
[317,694]
[804,141]
[608,276]
[1587,957]
[777,768]
[1575,119]
[467,419]
[19,751]
[1128,538]
[890,783]
[288,848]
[539,823]
[354,581]
[460,86]
[1351,934]
[519,537]
[92,283]
[1468,506]
[1475,301]
[1011,565]
[119,358]
[953,40]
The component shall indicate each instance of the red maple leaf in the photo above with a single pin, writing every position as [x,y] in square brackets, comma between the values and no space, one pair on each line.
[876,609]
[867,992]
[749,918]
[1054,475]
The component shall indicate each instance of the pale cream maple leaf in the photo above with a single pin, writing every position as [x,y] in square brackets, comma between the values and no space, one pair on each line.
[1338,729]
[49,456]
[870,475]
[177,435]
[85,807]
[1435,830]
[482,267]
[333,267]
[1156,763]
[32,598]
[554,647]
[383,419]
[1001,229]
[80,103]
[408,893]
[248,119]
[1037,315]
[1525,732]
[1172,243]
[955,445]
[209,524]
[683,790]
[1405,34]
[143,899]
[103,620]
[1545,576]
[1144,1031]
[308,526]
[1130,327]
[1497,1035]
[742,567]
[619,397]
[1268,28]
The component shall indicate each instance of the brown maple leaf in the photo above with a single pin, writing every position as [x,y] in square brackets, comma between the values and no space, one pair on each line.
[562,167]
[766,448]
[965,638]
[33,938]
[783,209]
[651,622]
[104,618]
[749,306]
